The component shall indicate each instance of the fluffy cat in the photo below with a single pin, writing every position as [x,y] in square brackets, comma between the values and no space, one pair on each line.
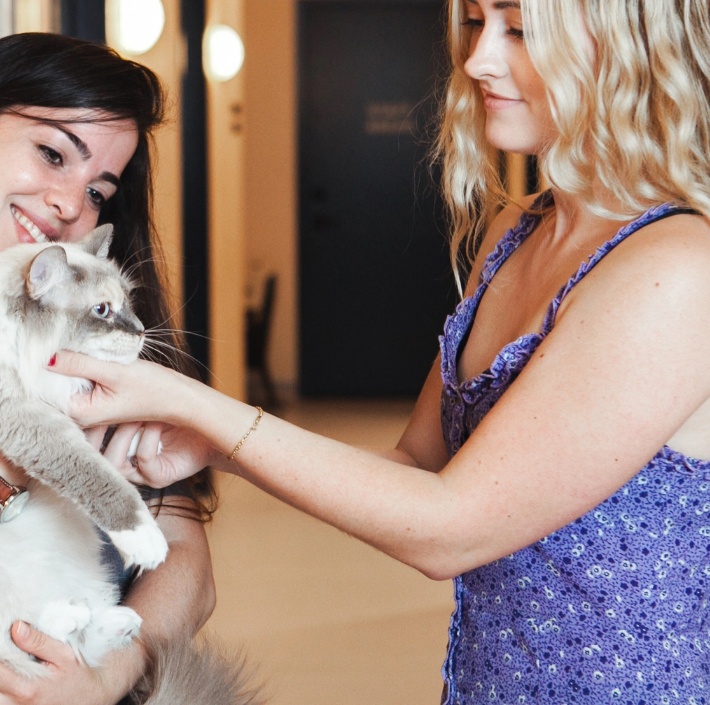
[71,296]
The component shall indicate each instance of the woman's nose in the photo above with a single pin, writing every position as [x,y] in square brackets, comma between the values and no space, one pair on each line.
[485,58]
[66,201]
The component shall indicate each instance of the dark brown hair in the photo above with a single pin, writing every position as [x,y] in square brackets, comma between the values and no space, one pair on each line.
[57,71]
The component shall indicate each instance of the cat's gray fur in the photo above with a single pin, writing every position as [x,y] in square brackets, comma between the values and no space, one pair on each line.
[71,296]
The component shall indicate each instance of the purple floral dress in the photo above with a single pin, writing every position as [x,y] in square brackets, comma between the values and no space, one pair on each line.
[612,608]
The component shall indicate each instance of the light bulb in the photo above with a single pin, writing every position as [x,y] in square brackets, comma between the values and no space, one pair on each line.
[134,26]
[222,52]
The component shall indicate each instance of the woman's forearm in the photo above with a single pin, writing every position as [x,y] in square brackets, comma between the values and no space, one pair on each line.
[178,596]
[386,503]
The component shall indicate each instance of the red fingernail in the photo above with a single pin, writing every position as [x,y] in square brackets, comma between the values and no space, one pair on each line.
[52,360]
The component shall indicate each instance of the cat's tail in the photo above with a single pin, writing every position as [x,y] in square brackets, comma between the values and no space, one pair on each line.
[195,672]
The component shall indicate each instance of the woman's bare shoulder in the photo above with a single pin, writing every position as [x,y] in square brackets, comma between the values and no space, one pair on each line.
[676,247]
[659,274]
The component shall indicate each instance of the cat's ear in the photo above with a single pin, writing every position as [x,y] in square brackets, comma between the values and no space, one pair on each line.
[98,241]
[48,268]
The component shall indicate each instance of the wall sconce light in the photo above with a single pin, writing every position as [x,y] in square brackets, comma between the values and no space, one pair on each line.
[134,26]
[222,52]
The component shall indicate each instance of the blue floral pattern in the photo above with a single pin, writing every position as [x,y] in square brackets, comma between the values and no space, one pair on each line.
[612,608]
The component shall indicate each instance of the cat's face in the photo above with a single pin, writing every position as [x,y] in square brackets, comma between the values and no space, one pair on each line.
[78,288]
[101,321]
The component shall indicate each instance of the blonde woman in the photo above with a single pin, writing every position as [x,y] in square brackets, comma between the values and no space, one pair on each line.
[557,463]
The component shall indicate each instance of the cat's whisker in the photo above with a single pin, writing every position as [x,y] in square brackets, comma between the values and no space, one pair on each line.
[173,314]
[161,348]
[177,331]
[136,261]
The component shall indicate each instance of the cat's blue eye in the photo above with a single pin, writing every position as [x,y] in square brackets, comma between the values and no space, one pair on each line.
[102,310]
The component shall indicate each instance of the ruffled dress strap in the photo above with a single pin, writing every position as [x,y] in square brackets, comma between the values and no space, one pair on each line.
[464,403]
[458,325]
[512,239]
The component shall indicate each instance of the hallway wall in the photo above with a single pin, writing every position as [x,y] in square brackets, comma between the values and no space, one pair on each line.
[270,168]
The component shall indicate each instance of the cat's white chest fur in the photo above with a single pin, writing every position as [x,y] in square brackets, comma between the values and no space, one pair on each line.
[52,577]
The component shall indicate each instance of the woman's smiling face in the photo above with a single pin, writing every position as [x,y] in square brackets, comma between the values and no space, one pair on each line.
[58,169]
[517,112]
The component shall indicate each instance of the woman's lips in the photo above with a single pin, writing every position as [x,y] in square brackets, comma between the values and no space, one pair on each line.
[493,101]
[29,225]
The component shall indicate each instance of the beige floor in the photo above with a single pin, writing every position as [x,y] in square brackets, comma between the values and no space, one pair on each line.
[322,617]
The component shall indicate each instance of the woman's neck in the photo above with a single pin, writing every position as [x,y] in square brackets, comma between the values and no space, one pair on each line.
[572,218]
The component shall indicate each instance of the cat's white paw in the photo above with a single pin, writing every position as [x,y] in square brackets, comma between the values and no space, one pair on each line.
[62,618]
[111,628]
[118,626]
[144,546]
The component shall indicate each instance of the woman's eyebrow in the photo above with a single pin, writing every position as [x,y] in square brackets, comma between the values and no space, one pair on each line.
[83,150]
[79,143]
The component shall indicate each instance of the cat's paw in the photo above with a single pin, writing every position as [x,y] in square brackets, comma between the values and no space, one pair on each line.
[116,627]
[120,625]
[144,546]
[63,618]
[112,628]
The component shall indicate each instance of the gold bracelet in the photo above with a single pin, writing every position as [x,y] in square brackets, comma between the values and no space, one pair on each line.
[237,448]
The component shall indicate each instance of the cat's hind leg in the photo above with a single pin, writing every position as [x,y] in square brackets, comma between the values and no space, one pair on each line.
[90,632]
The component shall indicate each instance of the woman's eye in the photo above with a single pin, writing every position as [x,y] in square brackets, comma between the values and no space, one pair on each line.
[476,25]
[51,156]
[516,33]
[102,310]
[96,197]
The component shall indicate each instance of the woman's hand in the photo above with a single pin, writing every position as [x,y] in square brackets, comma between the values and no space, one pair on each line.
[164,454]
[127,394]
[141,391]
[67,680]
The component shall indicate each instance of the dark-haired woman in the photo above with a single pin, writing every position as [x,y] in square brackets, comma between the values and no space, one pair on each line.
[75,127]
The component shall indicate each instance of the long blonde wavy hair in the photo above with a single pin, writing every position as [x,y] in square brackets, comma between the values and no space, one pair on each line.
[632,114]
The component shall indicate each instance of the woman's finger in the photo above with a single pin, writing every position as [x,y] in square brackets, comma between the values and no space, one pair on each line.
[76,365]
[117,450]
[96,435]
[149,445]
[39,645]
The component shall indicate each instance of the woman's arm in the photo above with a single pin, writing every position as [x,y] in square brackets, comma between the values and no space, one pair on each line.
[178,597]
[624,368]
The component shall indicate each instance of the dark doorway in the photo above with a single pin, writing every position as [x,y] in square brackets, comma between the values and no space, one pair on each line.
[375,281]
